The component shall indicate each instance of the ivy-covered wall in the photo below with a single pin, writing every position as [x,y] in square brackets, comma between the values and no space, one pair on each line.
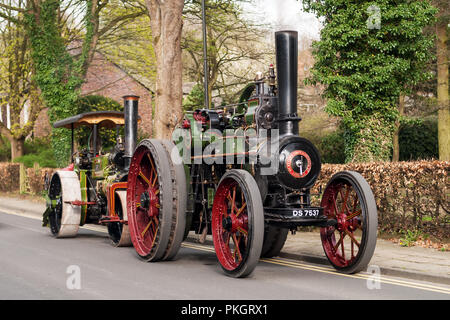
[58,75]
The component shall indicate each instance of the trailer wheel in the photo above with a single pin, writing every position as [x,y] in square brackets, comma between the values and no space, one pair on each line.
[349,245]
[238,223]
[274,239]
[119,233]
[64,218]
[179,194]
[149,199]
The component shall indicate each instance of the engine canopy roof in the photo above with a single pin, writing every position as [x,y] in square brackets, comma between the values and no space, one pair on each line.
[106,119]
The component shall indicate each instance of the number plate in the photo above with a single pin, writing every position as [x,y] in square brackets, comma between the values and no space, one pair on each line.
[296,214]
[306,213]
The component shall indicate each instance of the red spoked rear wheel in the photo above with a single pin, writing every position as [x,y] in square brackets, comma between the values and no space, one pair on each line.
[274,239]
[149,197]
[238,223]
[349,245]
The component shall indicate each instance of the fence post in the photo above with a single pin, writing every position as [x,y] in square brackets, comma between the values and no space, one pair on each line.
[22,178]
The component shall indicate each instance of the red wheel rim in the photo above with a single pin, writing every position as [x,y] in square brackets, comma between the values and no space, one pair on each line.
[343,242]
[143,187]
[230,225]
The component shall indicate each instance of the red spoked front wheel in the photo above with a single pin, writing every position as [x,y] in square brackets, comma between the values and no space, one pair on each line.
[238,223]
[348,199]
[149,197]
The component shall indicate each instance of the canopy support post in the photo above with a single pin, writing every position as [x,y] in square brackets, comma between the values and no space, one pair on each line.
[94,138]
[71,145]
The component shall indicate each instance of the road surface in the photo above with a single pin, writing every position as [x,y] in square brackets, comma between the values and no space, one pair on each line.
[34,265]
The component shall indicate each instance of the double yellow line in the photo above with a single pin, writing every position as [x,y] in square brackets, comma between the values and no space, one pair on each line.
[290,263]
[362,275]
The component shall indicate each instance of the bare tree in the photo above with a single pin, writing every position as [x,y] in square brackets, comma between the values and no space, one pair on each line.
[19,92]
[235,45]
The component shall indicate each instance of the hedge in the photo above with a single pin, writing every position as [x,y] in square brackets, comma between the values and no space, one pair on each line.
[409,195]
[35,179]
[9,177]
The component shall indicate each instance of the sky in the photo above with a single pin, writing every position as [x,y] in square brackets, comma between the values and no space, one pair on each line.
[285,14]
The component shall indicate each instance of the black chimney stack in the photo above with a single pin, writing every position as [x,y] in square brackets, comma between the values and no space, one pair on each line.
[131,120]
[286,43]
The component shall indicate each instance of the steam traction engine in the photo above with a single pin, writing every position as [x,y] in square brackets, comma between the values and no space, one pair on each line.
[243,174]
[92,189]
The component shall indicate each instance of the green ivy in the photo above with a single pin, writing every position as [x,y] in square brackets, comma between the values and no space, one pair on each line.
[365,68]
[58,75]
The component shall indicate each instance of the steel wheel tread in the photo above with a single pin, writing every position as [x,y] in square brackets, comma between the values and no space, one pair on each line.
[179,194]
[119,233]
[274,239]
[65,219]
[150,227]
[337,198]
[250,222]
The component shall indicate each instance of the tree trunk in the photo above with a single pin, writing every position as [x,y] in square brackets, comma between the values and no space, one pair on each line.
[166,23]
[442,92]
[395,143]
[17,147]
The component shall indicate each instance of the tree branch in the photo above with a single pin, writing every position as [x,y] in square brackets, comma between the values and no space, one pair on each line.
[11,19]
[7,7]
[115,21]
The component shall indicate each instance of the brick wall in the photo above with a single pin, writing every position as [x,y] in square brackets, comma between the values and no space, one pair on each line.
[107,79]
[42,126]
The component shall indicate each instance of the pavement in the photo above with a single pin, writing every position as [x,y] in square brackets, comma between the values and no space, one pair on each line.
[425,264]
